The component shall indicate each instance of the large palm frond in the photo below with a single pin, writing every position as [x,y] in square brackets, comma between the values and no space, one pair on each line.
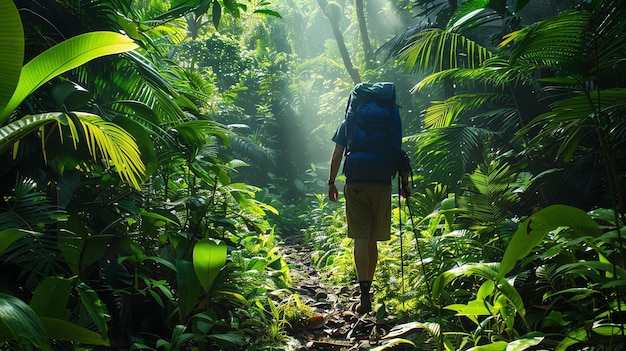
[434,49]
[443,114]
[572,121]
[606,39]
[106,142]
[553,43]
[444,155]
[399,42]
[494,71]
[134,77]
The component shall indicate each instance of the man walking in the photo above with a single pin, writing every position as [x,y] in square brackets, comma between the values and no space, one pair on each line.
[370,137]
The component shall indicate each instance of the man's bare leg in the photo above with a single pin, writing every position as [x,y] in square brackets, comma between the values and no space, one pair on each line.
[365,260]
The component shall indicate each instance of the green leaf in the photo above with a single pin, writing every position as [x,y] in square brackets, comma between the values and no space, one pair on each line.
[485,271]
[154,219]
[14,132]
[496,346]
[63,57]
[574,337]
[392,343]
[114,146]
[23,324]
[523,344]
[97,311]
[268,12]
[608,329]
[105,141]
[233,338]
[216,13]
[51,297]
[532,231]
[209,256]
[189,288]
[12,48]
[434,49]
[9,236]
[59,329]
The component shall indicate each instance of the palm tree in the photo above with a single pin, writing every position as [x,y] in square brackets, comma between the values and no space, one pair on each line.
[496,93]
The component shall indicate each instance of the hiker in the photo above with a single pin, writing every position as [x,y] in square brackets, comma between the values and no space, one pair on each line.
[370,137]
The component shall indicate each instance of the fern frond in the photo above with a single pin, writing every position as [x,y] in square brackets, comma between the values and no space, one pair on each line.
[488,195]
[445,154]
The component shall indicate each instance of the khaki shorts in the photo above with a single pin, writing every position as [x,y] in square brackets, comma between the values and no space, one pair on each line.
[368,210]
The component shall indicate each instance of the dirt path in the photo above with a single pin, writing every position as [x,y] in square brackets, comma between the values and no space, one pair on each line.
[335,327]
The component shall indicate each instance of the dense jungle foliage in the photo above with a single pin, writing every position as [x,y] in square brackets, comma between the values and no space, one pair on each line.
[154,154]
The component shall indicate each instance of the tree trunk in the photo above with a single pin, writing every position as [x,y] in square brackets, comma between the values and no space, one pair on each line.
[333,16]
[367,46]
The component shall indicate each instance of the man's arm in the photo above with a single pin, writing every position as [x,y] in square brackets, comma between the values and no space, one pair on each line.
[335,162]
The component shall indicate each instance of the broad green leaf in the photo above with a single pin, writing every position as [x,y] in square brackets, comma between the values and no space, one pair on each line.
[216,13]
[411,327]
[9,236]
[268,13]
[532,231]
[59,329]
[154,219]
[63,57]
[189,288]
[392,343]
[485,271]
[179,337]
[240,298]
[472,309]
[574,337]
[496,346]
[12,49]
[209,256]
[23,324]
[233,338]
[51,297]
[609,330]
[96,310]
[93,248]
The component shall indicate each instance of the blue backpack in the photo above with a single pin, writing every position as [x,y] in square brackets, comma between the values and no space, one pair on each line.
[372,126]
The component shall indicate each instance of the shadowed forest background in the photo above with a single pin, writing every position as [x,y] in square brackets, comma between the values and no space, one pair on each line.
[156,155]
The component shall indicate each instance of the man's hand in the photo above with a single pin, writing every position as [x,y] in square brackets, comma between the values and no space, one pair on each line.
[335,161]
[333,193]
[405,191]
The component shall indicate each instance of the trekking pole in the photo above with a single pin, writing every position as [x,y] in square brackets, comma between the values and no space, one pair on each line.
[401,240]
[417,244]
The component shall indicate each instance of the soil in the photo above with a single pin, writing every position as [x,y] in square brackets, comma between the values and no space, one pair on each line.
[335,326]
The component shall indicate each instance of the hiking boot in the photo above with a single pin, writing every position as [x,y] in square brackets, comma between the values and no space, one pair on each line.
[365,306]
